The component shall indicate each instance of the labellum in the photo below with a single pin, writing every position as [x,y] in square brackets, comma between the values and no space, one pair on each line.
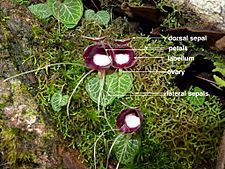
[99,55]
[124,56]
[129,120]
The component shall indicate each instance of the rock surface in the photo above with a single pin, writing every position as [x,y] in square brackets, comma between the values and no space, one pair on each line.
[210,11]
[26,141]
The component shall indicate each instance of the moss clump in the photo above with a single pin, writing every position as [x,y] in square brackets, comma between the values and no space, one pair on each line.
[16,151]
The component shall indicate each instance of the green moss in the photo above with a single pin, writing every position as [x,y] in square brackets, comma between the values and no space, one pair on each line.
[21,2]
[37,31]
[189,135]
[13,144]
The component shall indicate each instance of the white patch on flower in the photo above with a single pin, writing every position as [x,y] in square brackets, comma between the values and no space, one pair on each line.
[132,121]
[122,58]
[101,60]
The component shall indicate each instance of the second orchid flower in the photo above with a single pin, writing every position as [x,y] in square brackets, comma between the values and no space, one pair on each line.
[100,56]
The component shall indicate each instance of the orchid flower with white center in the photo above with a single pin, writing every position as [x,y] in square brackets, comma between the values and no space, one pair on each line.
[129,120]
[124,56]
[99,55]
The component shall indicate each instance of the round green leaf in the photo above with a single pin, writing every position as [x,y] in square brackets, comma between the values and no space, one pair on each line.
[42,10]
[69,12]
[220,82]
[119,85]
[90,14]
[57,101]
[220,67]
[64,100]
[196,100]
[102,17]
[126,148]
[93,89]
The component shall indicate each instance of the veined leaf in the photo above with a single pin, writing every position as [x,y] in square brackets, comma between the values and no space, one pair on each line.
[220,82]
[196,100]
[101,17]
[58,100]
[42,10]
[220,67]
[64,100]
[126,148]
[93,89]
[90,14]
[69,12]
[119,85]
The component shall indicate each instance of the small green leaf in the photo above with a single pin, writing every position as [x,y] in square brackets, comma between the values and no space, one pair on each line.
[102,17]
[220,82]
[126,148]
[119,85]
[196,100]
[57,101]
[69,12]
[64,101]
[42,10]
[93,89]
[220,67]
[90,14]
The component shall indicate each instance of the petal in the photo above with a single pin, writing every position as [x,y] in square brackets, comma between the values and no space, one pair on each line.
[124,57]
[95,39]
[122,42]
[98,56]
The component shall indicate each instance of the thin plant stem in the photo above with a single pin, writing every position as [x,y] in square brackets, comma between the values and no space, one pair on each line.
[110,150]
[125,104]
[210,81]
[101,88]
[74,90]
[5,164]
[202,78]
[96,144]
[58,13]
[45,67]
[105,116]
[107,93]
[94,5]
[118,164]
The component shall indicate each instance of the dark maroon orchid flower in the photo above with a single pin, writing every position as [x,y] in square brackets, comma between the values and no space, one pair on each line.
[124,55]
[99,55]
[129,120]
